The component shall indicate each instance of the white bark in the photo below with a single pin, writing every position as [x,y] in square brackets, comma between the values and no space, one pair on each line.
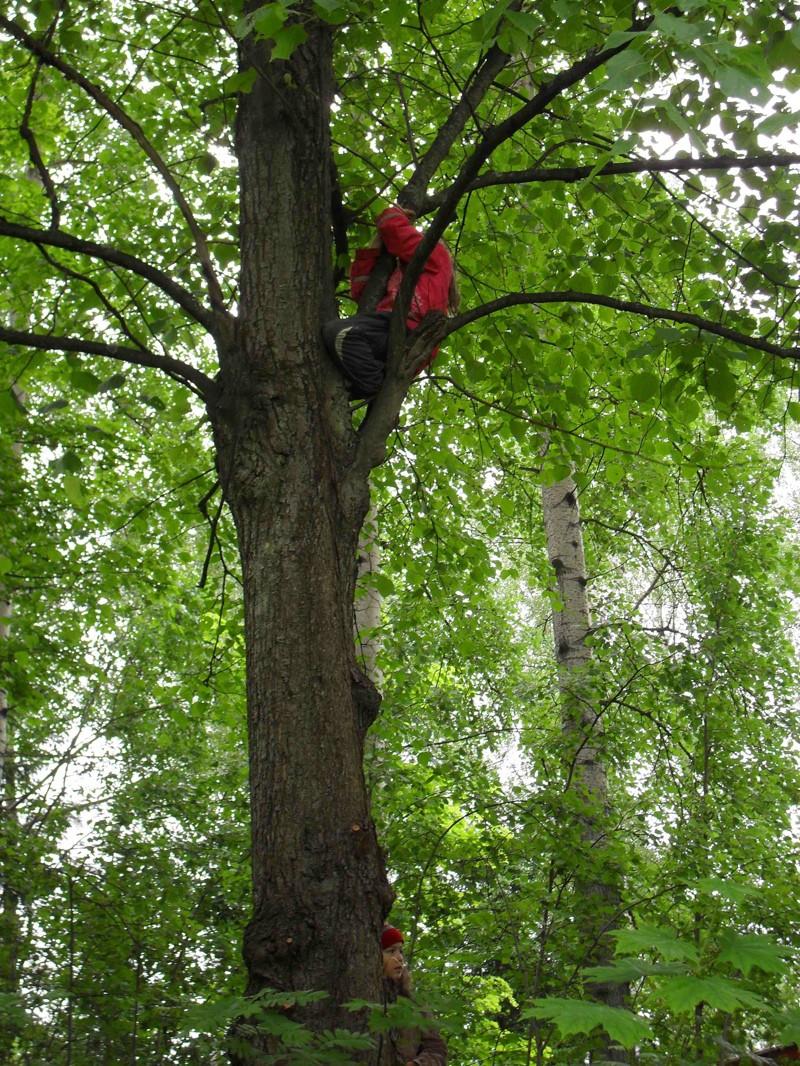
[368,601]
[571,625]
[582,725]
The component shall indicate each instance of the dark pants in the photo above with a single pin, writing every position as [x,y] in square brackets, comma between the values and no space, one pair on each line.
[359,346]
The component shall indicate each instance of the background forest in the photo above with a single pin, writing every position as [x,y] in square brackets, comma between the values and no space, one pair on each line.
[552,830]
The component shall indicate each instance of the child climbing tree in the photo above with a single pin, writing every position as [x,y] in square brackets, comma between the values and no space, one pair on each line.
[192,204]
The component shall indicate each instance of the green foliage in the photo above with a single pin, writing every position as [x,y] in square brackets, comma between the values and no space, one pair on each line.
[576,1016]
[129,856]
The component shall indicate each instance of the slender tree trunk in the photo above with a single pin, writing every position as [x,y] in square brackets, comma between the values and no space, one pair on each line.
[597,884]
[369,601]
[10,925]
[285,447]
[70,1034]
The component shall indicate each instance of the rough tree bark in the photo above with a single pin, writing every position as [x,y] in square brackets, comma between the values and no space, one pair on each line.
[597,884]
[289,467]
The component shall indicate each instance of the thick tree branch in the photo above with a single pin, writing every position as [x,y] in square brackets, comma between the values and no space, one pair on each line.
[637,166]
[175,368]
[492,139]
[515,299]
[60,239]
[385,407]
[137,133]
[479,83]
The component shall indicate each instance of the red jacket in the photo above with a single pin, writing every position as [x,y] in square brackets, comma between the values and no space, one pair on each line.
[401,239]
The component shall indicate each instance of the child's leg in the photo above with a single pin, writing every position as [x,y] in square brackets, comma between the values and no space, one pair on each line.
[359,346]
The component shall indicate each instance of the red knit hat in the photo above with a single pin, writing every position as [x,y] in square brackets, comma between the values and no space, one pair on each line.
[390,936]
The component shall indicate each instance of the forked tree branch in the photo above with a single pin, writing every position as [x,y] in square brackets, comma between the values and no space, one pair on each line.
[480,81]
[515,299]
[679,165]
[137,133]
[85,279]
[60,239]
[492,139]
[175,368]
[386,406]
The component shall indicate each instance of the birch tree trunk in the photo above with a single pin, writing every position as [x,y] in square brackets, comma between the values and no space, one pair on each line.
[597,888]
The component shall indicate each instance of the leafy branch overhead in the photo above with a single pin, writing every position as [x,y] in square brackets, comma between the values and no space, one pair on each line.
[660,41]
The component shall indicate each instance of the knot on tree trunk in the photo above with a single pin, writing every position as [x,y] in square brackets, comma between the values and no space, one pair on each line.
[366,698]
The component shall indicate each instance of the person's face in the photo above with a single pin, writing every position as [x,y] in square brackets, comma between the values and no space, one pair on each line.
[393,962]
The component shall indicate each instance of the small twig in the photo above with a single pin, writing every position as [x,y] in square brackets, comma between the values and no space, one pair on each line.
[409,132]
[213,522]
[161,495]
[103,100]
[27,134]
[210,674]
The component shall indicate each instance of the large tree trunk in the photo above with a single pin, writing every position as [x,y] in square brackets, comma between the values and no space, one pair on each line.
[285,447]
[597,888]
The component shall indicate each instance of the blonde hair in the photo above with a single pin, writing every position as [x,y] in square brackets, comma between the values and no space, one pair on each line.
[453,291]
[453,295]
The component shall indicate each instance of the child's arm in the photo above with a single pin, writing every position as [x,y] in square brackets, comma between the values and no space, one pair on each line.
[397,232]
[361,268]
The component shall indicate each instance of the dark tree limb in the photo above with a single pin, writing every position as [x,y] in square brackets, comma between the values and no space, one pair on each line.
[492,139]
[175,368]
[137,133]
[27,134]
[384,408]
[84,279]
[515,299]
[480,82]
[60,239]
[567,175]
